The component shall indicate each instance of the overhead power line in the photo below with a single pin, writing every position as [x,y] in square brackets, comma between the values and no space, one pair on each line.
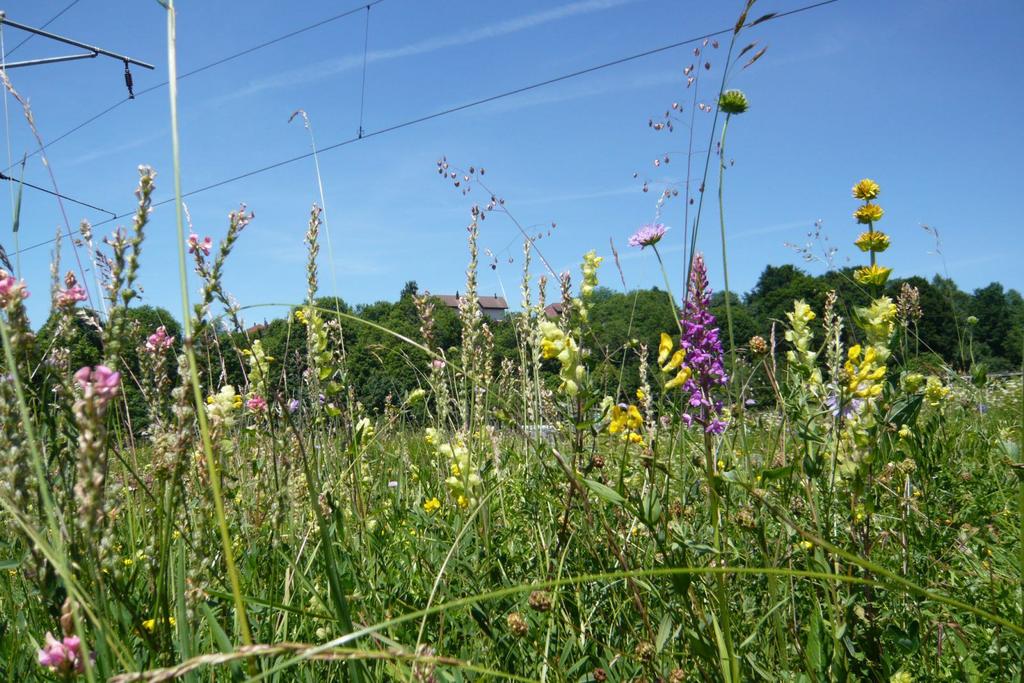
[446,112]
[4,176]
[49,21]
[200,69]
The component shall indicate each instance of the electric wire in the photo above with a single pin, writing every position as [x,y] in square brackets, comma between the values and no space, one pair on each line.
[201,69]
[52,19]
[446,112]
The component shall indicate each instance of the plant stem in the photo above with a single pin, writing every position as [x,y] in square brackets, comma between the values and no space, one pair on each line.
[211,463]
[725,261]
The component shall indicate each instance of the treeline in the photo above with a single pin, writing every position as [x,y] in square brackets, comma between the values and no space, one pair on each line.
[962,330]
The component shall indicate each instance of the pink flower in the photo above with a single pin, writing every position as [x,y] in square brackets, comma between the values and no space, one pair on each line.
[11,289]
[159,340]
[100,382]
[437,364]
[62,656]
[67,298]
[256,403]
[647,235]
[194,244]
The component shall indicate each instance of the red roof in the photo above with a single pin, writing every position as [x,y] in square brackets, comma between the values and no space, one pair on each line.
[488,302]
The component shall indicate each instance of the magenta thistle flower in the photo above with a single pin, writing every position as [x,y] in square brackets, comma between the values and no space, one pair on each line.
[194,244]
[62,656]
[648,235]
[66,298]
[99,382]
[703,349]
[11,289]
[256,403]
[159,340]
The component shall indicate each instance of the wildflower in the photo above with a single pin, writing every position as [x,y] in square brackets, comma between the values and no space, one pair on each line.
[415,395]
[878,321]
[972,320]
[640,395]
[648,235]
[431,506]
[625,418]
[673,363]
[703,349]
[868,213]
[591,262]
[872,241]
[517,624]
[872,275]
[195,245]
[256,403]
[62,656]
[901,677]
[293,405]
[806,545]
[221,406]
[664,348]
[437,364]
[733,102]
[150,624]
[11,290]
[99,382]
[847,410]
[912,382]
[540,601]
[864,372]
[462,502]
[905,432]
[557,344]
[866,189]
[934,392]
[66,298]
[159,340]
[758,345]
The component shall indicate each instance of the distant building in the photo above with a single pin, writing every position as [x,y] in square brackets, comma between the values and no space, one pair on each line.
[493,307]
[554,310]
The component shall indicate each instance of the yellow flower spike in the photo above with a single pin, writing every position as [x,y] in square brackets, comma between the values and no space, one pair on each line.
[854,352]
[635,438]
[462,502]
[869,213]
[618,421]
[640,395]
[679,379]
[866,189]
[677,359]
[664,348]
[431,506]
[872,241]
[634,420]
[872,275]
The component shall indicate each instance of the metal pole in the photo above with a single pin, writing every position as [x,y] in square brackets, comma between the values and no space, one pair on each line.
[69,41]
[49,60]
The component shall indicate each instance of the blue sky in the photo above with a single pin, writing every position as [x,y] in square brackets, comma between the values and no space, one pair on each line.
[922,95]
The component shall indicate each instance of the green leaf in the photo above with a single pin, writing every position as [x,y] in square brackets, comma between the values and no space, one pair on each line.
[16,218]
[605,493]
[664,631]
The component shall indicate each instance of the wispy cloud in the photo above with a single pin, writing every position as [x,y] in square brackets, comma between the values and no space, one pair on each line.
[331,67]
[582,90]
[101,151]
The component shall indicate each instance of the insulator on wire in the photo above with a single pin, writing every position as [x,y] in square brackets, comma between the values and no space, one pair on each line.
[128,81]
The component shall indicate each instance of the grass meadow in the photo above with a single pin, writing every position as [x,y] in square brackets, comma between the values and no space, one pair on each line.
[820,501]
